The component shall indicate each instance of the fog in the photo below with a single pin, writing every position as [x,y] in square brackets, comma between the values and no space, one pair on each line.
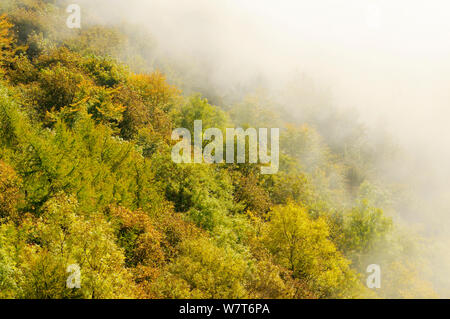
[387,60]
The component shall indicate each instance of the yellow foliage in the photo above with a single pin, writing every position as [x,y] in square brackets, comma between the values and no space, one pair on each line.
[9,190]
[303,246]
[6,41]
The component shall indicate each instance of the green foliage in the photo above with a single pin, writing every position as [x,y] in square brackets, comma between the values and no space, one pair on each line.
[10,185]
[9,268]
[365,227]
[204,270]
[66,237]
[303,246]
[86,178]
[198,108]
[204,193]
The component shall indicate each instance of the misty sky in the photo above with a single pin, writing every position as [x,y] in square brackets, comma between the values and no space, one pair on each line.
[382,57]
[388,59]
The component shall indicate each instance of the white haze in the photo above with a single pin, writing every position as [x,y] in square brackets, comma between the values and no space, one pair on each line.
[387,59]
[390,60]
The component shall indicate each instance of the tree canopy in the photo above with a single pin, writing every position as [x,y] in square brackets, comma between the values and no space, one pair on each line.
[86,178]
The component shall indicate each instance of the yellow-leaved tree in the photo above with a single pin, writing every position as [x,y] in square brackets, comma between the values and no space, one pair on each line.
[6,42]
[302,245]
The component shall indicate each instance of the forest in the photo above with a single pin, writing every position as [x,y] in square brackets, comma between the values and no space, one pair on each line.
[86,178]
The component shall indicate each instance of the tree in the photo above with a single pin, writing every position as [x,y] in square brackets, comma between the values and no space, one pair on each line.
[365,228]
[10,194]
[7,43]
[9,262]
[302,245]
[63,236]
[203,270]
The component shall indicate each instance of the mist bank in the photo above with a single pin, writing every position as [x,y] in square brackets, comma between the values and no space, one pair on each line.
[385,63]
